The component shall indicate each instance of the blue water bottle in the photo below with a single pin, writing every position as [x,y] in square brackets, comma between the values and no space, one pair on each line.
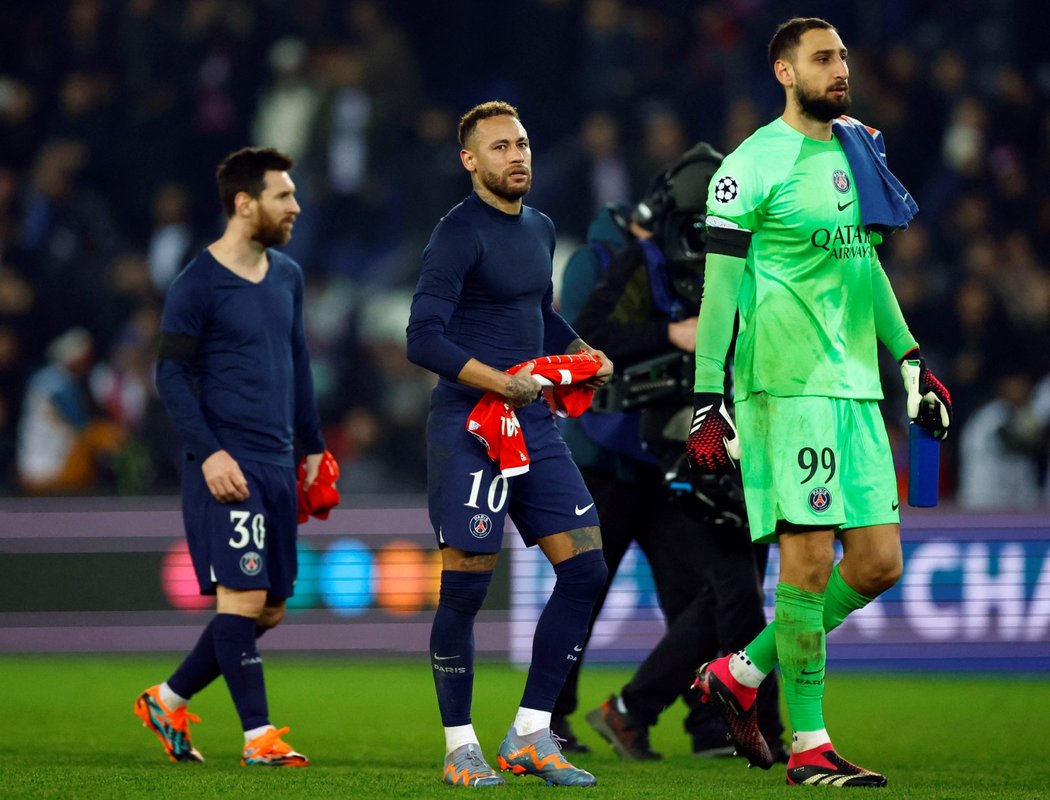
[924,454]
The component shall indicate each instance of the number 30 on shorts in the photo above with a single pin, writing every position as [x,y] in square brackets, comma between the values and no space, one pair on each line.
[248,526]
[809,460]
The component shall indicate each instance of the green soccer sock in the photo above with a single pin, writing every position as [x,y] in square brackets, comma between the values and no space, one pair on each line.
[763,649]
[801,643]
[840,600]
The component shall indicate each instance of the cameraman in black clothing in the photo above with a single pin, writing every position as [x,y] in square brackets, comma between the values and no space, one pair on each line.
[706,575]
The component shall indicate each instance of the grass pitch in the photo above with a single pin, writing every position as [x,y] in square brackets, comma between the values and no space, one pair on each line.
[372,731]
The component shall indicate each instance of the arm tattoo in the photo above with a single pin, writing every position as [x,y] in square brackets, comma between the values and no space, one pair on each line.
[521,390]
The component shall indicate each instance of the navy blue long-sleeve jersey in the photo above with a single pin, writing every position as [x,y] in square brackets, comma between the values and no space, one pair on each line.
[485,292]
[233,371]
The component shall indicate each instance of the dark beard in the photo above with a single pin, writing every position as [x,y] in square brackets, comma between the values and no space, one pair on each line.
[501,187]
[270,234]
[821,108]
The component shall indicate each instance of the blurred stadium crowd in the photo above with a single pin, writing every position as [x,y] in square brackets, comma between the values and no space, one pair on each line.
[114,113]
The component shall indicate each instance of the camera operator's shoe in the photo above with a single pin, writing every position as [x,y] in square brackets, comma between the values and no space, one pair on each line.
[736,703]
[465,766]
[822,766]
[172,726]
[539,754]
[778,750]
[717,743]
[712,740]
[561,729]
[629,739]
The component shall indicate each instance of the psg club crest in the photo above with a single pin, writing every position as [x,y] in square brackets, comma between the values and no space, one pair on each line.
[820,499]
[480,526]
[251,563]
[841,181]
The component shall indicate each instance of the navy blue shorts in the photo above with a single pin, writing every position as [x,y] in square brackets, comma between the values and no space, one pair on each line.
[469,499]
[249,545]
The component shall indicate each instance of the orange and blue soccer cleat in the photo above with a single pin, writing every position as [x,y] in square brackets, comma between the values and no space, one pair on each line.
[539,754]
[269,750]
[737,706]
[822,766]
[172,726]
[465,766]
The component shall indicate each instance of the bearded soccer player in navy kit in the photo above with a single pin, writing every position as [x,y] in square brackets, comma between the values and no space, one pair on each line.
[234,373]
[483,304]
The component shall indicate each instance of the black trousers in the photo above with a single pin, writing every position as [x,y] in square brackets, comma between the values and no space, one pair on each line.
[708,585]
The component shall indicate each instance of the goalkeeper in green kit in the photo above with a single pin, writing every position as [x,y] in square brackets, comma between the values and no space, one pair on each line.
[794,215]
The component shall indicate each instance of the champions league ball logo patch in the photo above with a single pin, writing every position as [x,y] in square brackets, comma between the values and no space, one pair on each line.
[726,189]
[480,526]
[251,563]
[841,181]
[820,499]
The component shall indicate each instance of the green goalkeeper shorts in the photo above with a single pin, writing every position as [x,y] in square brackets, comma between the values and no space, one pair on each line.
[823,461]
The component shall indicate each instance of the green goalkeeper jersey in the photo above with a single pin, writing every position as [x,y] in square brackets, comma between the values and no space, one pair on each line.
[812,285]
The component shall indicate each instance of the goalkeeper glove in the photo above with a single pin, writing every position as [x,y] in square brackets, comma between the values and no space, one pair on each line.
[713,444]
[929,403]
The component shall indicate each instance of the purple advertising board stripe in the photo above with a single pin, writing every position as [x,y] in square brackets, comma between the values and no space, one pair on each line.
[140,524]
[103,517]
[411,637]
[976,588]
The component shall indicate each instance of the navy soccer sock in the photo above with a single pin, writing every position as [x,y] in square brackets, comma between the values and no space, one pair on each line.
[562,627]
[241,667]
[199,668]
[452,642]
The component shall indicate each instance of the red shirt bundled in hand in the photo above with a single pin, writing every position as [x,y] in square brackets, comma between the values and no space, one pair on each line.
[322,496]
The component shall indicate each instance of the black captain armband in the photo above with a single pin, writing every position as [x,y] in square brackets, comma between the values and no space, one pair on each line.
[726,239]
[177,347]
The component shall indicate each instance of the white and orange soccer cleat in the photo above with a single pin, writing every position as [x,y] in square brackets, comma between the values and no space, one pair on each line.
[172,726]
[270,750]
